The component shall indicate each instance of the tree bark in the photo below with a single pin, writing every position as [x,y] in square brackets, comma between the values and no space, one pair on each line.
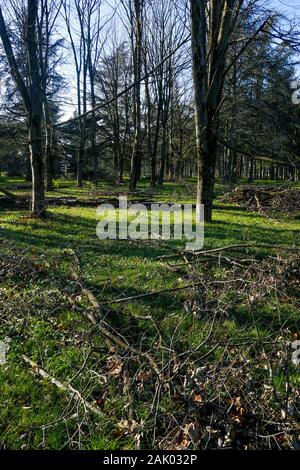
[210,30]
[35,115]
[137,63]
[32,99]
[49,164]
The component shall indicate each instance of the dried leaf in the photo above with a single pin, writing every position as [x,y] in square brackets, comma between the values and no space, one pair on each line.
[114,366]
[197,397]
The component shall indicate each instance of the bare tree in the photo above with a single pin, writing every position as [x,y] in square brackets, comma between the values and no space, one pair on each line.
[91,28]
[86,47]
[80,61]
[212,25]
[49,58]
[32,100]
[163,33]
[112,76]
[135,15]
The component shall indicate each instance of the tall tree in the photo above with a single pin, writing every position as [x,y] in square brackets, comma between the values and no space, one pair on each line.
[81,69]
[212,25]
[32,99]
[112,77]
[135,15]
[49,58]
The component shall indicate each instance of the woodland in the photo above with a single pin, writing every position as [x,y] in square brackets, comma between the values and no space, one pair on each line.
[134,344]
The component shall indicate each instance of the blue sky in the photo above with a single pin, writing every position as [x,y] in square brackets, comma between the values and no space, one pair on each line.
[289,7]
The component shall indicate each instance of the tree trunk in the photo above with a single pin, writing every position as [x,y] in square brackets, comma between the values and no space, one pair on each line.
[35,115]
[80,156]
[210,30]
[28,166]
[251,170]
[206,175]
[93,124]
[37,168]
[48,157]
[163,153]
[137,62]
[32,99]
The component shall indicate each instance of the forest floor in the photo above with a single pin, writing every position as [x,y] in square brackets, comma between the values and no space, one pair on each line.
[209,366]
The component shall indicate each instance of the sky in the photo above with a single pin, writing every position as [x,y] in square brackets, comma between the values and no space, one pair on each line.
[290,8]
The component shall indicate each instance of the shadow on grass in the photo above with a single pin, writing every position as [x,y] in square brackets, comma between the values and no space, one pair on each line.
[79,232]
[63,231]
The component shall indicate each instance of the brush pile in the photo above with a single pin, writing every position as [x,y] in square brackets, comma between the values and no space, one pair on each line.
[265,199]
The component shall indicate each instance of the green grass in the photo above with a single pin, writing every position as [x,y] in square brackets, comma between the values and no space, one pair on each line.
[42,314]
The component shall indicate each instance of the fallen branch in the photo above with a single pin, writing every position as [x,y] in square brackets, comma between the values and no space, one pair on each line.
[226,248]
[213,258]
[8,194]
[265,199]
[172,289]
[214,250]
[103,327]
[66,387]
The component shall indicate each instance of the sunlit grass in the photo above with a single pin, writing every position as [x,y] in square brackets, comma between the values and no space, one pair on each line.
[113,269]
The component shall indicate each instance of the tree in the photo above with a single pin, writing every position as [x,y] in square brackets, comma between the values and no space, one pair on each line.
[212,25]
[112,76]
[162,34]
[32,100]
[135,14]
[86,47]
[256,119]
[80,61]
[49,58]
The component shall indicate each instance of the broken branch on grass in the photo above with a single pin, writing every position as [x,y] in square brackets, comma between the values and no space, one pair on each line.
[214,250]
[8,194]
[172,289]
[103,327]
[212,258]
[66,387]
[226,248]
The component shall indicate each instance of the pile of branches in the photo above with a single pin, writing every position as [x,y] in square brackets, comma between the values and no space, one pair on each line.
[218,392]
[264,199]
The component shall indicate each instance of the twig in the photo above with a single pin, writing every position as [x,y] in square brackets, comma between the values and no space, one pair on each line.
[214,250]
[172,289]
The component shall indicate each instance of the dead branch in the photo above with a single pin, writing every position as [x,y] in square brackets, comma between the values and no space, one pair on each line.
[102,325]
[8,194]
[225,248]
[172,289]
[214,250]
[214,258]
[66,387]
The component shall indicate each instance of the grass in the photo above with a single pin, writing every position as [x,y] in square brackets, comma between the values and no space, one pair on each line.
[41,311]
